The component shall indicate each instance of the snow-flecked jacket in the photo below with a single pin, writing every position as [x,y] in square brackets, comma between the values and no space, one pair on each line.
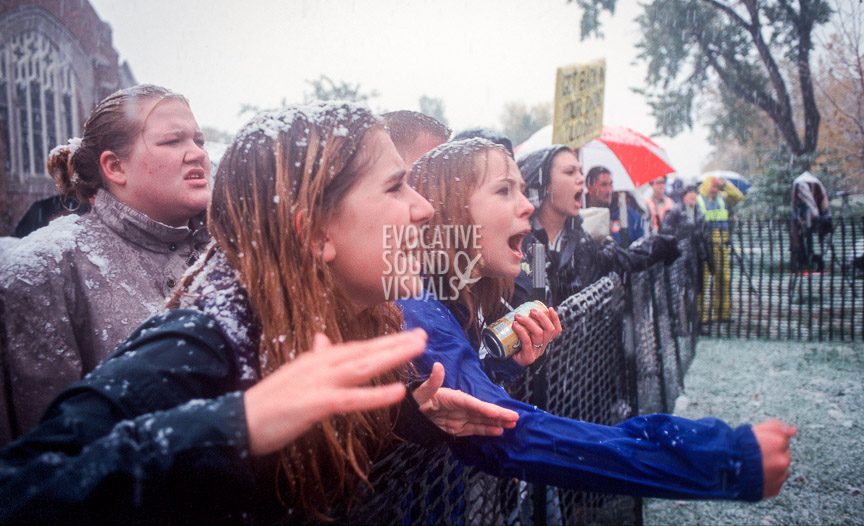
[141,438]
[653,455]
[71,291]
[581,260]
[157,433]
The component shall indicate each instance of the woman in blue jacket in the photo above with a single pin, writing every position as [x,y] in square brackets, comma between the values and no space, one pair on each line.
[475,183]
[216,411]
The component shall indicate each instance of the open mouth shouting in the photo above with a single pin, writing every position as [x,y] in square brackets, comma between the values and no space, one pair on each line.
[515,243]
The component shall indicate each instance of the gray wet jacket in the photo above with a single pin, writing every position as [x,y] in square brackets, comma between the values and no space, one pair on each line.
[71,291]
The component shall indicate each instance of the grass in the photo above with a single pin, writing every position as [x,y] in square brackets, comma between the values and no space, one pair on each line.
[817,387]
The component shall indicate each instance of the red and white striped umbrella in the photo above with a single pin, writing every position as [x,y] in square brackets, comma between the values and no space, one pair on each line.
[631,157]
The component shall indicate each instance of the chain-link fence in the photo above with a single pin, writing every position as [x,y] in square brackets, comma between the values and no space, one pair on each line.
[777,282]
[623,352]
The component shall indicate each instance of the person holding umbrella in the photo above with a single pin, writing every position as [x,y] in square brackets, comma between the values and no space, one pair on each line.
[621,159]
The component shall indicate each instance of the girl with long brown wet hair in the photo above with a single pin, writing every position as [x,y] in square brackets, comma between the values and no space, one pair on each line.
[216,409]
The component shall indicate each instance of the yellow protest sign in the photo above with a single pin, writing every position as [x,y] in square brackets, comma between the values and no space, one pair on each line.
[578,114]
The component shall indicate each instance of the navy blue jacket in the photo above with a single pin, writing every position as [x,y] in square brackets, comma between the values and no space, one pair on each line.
[157,433]
[653,456]
[142,437]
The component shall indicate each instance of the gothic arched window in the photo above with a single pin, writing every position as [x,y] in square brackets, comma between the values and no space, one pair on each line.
[37,102]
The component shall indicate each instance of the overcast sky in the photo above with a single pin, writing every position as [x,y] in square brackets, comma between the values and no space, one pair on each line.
[474,54]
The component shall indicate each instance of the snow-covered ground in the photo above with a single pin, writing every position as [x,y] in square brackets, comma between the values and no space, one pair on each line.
[819,388]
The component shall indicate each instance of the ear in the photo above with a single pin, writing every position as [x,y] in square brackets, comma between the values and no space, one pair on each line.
[325,247]
[328,250]
[112,168]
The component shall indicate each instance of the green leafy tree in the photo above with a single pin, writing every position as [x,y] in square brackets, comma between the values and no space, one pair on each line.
[325,88]
[433,107]
[591,11]
[518,121]
[738,49]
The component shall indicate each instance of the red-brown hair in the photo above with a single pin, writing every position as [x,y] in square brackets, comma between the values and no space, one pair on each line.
[447,176]
[284,175]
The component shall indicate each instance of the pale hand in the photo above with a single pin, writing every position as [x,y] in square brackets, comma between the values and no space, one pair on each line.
[325,381]
[458,413]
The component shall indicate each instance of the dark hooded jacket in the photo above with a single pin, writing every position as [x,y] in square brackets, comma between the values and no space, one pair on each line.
[157,433]
[579,260]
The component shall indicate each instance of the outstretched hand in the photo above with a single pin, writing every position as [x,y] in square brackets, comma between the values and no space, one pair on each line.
[458,413]
[323,382]
[773,437]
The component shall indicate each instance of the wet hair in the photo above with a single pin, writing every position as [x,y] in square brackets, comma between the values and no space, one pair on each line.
[536,168]
[113,126]
[278,183]
[488,134]
[594,173]
[404,126]
[447,176]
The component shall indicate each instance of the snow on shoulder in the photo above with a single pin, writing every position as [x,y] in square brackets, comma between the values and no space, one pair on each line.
[41,251]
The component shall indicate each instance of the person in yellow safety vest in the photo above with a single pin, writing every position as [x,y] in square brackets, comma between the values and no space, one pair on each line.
[658,204]
[716,197]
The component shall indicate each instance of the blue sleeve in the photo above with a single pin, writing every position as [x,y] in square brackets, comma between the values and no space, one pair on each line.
[502,370]
[636,224]
[613,216]
[107,443]
[652,456]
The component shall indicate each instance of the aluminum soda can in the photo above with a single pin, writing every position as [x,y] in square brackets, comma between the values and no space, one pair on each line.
[499,338]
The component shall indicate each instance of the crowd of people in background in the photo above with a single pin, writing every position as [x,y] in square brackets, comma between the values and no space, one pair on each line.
[220,347]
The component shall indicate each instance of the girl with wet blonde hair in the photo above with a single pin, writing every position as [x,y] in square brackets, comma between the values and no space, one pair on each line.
[475,182]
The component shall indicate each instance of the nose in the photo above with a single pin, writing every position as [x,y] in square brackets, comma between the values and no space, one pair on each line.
[421,209]
[197,154]
[525,208]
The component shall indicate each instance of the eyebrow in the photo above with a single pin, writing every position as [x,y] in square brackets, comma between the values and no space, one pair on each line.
[518,183]
[396,177]
[179,131]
